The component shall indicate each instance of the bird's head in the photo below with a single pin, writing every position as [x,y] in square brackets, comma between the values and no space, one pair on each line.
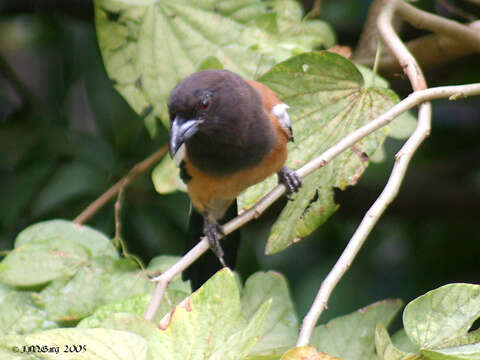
[209,106]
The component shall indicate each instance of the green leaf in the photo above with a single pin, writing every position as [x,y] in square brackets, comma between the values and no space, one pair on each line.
[19,315]
[442,315]
[353,336]
[10,347]
[51,250]
[138,325]
[371,79]
[101,344]
[210,62]
[100,281]
[166,177]
[464,352]
[209,324]
[402,342]
[162,263]
[42,261]
[281,325]
[463,347]
[386,350]
[328,100]
[135,305]
[404,125]
[149,46]
[96,242]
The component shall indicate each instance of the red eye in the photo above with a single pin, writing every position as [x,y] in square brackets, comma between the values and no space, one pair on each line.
[204,104]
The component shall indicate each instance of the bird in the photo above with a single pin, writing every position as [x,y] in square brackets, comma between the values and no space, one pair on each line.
[227,133]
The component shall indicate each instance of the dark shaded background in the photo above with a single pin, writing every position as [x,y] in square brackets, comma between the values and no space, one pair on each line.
[66,136]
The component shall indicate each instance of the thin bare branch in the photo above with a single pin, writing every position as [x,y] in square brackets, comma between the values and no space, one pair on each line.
[367,44]
[411,101]
[418,82]
[137,170]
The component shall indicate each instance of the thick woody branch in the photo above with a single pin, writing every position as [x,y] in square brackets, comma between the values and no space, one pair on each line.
[438,25]
[137,170]
[431,51]
[451,40]
[417,80]
[411,101]
[367,44]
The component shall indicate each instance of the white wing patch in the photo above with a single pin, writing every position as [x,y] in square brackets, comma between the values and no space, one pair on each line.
[179,155]
[280,111]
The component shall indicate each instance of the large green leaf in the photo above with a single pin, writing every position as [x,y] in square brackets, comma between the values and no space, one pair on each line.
[138,304]
[11,347]
[327,100]
[98,282]
[19,315]
[461,352]
[88,344]
[353,336]
[438,322]
[442,315]
[148,46]
[209,324]
[39,262]
[96,242]
[281,325]
[50,250]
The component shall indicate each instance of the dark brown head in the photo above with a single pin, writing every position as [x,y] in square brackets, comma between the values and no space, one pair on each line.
[220,119]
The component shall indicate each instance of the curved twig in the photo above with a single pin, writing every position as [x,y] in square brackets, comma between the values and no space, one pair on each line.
[412,100]
[402,159]
[137,170]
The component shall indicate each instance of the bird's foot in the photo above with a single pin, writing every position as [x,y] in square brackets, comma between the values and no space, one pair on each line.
[211,231]
[290,179]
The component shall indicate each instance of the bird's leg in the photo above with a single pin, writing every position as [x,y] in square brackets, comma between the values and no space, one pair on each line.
[212,229]
[290,179]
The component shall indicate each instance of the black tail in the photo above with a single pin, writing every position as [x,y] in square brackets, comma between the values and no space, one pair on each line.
[208,264]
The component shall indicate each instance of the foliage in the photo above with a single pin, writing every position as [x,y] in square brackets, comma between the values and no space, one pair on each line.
[327,94]
[103,301]
[149,46]
[64,285]
[437,325]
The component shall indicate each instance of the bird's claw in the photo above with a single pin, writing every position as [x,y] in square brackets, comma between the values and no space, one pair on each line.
[290,179]
[211,231]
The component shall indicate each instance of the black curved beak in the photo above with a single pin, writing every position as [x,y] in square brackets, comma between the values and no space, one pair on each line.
[181,130]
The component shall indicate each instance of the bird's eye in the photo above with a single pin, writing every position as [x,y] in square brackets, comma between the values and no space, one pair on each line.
[204,104]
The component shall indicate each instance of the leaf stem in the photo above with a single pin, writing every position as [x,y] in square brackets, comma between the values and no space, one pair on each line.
[378,55]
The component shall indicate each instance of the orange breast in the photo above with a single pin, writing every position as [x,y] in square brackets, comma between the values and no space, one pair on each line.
[207,191]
